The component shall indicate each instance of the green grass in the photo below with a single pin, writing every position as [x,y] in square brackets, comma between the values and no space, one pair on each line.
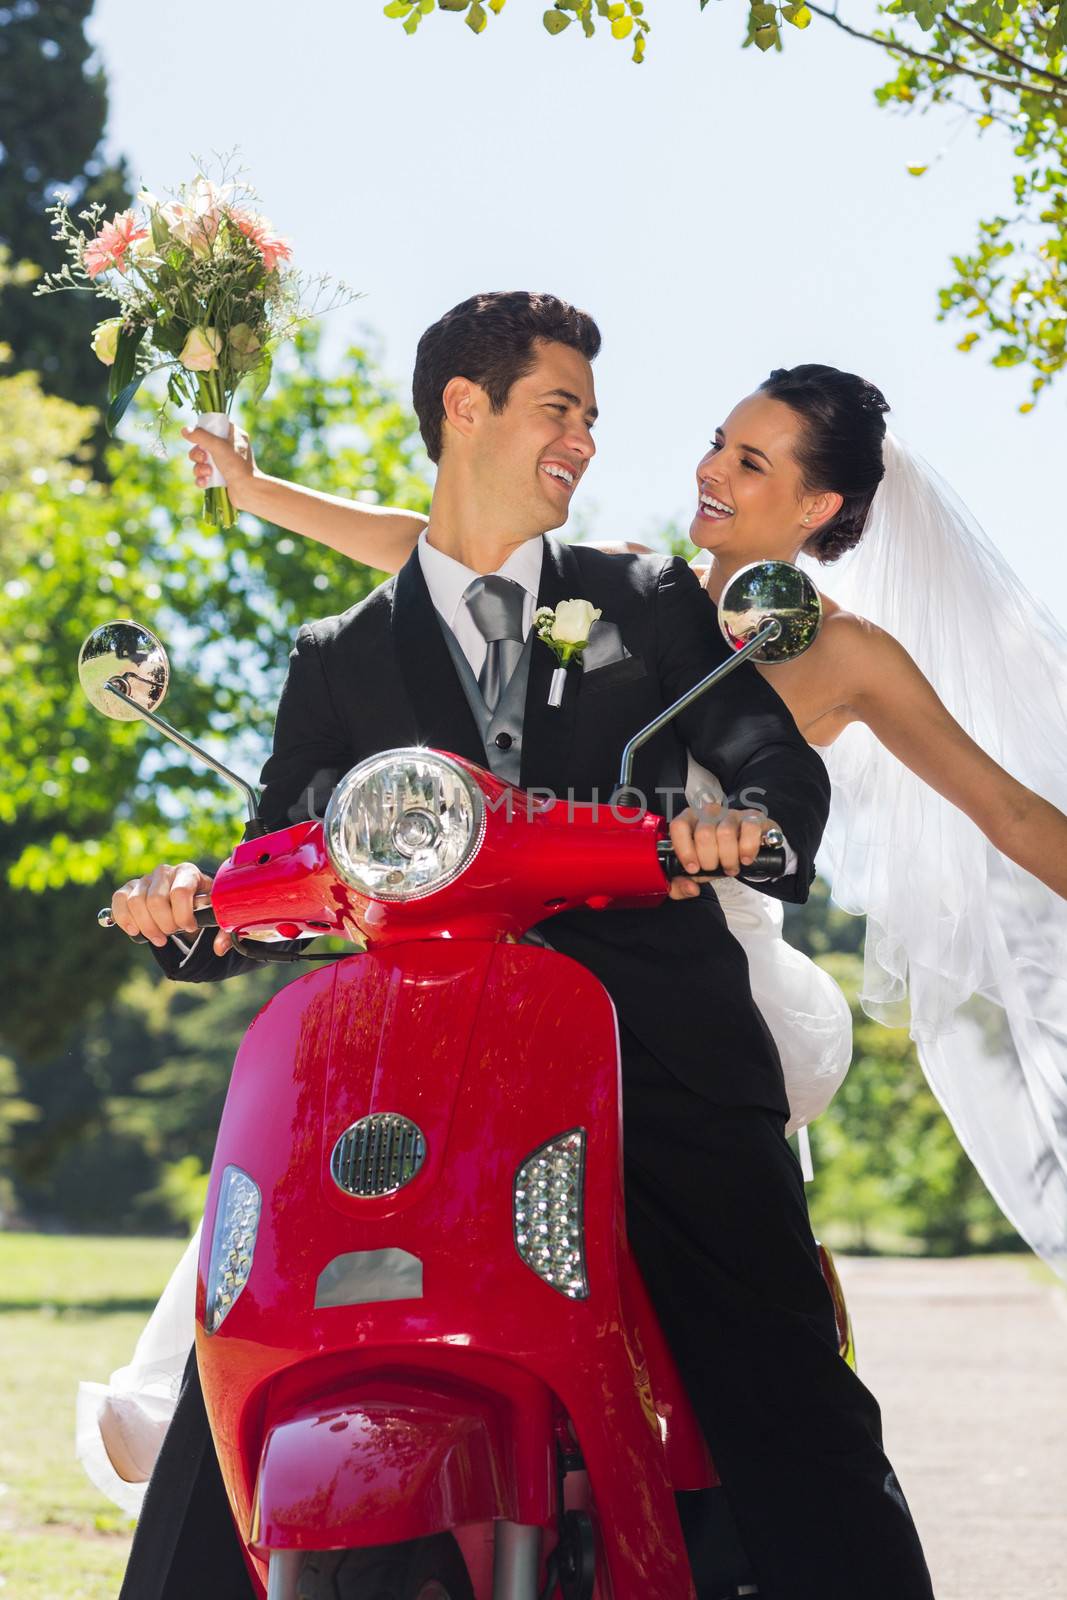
[70,1308]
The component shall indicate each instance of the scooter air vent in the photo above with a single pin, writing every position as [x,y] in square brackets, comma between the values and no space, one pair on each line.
[549,1213]
[377,1155]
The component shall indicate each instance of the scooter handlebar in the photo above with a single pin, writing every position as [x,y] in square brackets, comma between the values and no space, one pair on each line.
[203,914]
[769,862]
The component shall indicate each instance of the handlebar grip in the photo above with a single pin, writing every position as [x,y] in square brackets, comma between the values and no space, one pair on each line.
[769,862]
[203,916]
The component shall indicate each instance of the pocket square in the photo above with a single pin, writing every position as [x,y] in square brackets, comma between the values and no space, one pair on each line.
[614,673]
[605,646]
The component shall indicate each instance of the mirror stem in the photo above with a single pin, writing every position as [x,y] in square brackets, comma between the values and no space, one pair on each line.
[251,799]
[770,630]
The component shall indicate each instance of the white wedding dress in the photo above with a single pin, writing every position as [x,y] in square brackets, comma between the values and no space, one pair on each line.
[120,1425]
[808,1017]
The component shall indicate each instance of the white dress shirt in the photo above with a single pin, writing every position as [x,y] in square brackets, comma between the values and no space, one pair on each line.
[447,581]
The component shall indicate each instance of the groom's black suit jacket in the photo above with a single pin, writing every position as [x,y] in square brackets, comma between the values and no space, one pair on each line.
[381,676]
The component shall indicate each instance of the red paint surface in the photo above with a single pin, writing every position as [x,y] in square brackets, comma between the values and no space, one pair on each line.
[366,1424]
[549,857]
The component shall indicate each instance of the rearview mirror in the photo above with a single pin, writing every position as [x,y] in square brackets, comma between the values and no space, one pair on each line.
[124,672]
[123,662]
[771,591]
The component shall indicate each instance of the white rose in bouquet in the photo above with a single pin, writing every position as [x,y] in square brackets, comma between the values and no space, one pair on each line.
[105,340]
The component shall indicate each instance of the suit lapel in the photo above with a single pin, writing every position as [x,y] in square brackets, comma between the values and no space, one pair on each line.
[443,717]
[548,730]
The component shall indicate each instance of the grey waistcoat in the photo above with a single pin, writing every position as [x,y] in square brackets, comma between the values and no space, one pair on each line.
[506,719]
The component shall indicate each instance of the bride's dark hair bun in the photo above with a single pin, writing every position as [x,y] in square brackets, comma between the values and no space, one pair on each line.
[840,448]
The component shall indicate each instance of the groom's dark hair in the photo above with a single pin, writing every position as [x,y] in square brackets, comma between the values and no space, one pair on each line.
[490,339]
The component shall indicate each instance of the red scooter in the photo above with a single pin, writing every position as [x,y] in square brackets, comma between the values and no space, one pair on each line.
[430,1363]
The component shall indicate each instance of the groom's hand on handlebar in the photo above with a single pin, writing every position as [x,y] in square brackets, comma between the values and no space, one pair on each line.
[161,903]
[714,837]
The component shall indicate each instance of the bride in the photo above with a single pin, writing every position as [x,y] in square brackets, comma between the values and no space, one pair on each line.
[957,864]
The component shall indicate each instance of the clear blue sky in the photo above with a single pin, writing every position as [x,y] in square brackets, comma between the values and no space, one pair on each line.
[720,212]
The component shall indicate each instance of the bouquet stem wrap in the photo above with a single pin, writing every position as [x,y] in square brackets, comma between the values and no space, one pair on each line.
[218,507]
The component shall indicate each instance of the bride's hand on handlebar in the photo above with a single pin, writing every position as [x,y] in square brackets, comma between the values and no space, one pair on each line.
[161,903]
[232,456]
[714,837]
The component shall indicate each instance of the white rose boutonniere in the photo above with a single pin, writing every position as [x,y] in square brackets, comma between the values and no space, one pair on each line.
[566,632]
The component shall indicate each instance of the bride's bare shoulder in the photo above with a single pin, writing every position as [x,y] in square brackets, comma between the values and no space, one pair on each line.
[858,650]
[844,629]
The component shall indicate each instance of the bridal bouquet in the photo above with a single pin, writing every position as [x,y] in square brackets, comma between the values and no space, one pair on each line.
[204,292]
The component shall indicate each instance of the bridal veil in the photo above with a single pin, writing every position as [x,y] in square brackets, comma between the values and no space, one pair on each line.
[964,947]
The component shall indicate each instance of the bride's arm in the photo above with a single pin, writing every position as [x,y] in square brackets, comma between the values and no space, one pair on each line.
[381,537]
[888,692]
[378,536]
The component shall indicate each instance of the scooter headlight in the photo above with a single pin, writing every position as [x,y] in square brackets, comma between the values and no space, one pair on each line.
[404,824]
[232,1244]
[550,1213]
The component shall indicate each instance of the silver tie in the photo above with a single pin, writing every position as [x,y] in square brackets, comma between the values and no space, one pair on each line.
[496,605]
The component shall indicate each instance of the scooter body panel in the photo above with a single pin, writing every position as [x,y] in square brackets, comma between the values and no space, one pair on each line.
[492,1049]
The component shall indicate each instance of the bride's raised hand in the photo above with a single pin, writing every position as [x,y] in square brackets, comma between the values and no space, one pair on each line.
[381,537]
[232,456]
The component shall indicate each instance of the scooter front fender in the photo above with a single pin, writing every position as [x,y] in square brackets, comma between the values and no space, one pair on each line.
[394,1462]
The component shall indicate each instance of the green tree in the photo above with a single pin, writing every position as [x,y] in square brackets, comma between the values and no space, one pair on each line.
[1002,64]
[1004,69]
[77,552]
[115,1132]
[53,110]
[51,958]
[88,802]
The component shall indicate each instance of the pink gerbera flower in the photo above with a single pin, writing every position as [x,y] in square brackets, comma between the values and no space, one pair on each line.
[270,245]
[109,247]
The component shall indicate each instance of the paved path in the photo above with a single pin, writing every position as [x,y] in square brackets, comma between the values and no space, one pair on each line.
[969,1361]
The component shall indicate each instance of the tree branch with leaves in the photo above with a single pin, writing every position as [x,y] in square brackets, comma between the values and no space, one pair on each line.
[1002,64]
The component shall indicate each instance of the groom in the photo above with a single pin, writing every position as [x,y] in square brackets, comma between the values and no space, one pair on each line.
[444,655]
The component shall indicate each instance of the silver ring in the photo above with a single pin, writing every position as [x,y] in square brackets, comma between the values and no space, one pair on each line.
[774,837]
